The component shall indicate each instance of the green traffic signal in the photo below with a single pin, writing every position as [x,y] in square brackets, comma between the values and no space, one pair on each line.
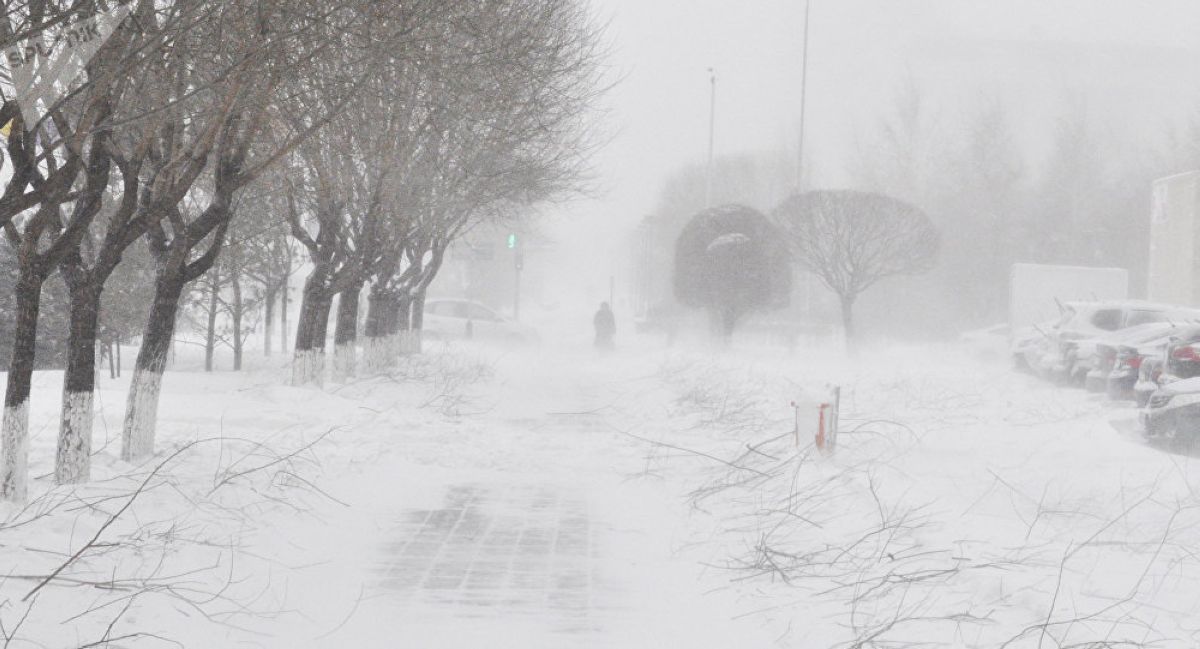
[512,241]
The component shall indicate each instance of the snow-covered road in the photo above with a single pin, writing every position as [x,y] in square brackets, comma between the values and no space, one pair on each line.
[544,531]
[650,498]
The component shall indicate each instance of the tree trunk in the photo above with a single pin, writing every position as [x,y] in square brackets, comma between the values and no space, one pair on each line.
[417,307]
[72,463]
[268,318]
[210,341]
[112,360]
[345,336]
[377,332]
[722,322]
[848,320]
[403,323]
[308,365]
[417,322]
[14,472]
[141,410]
[417,311]
[117,347]
[235,281]
[284,294]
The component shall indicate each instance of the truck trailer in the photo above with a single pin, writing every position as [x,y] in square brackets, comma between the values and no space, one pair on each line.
[1174,262]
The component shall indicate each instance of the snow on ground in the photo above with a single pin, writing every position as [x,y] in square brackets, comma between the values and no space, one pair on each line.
[653,497]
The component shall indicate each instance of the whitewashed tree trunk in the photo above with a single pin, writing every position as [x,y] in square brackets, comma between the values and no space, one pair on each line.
[141,413]
[345,336]
[73,460]
[344,361]
[14,467]
[14,474]
[141,408]
[308,361]
[73,464]
[308,366]
[376,354]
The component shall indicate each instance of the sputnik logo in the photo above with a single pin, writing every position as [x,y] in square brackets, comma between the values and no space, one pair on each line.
[42,67]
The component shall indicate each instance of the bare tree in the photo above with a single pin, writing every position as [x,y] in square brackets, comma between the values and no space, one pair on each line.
[66,158]
[491,154]
[852,240]
[262,55]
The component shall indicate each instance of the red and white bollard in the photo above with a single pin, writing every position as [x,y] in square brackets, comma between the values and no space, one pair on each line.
[825,434]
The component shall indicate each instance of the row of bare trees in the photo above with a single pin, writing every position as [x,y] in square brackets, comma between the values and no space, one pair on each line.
[484,122]
[373,132]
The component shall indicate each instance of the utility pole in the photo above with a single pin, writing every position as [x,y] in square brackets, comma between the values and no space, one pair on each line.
[803,101]
[712,131]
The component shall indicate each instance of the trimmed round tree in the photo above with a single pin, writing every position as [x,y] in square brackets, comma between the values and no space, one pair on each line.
[731,260]
[852,239]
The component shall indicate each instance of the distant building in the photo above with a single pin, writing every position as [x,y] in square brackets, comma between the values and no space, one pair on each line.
[1174,268]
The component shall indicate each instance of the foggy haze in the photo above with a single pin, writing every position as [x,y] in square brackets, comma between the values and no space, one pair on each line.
[1135,70]
[600,324]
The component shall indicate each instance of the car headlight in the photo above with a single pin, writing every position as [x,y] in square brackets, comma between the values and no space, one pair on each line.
[1159,400]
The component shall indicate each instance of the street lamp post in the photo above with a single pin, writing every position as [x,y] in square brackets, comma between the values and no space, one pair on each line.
[712,130]
[803,100]
[808,277]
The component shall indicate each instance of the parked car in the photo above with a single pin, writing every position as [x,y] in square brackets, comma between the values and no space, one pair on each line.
[1173,413]
[447,319]
[1128,360]
[1149,374]
[1097,357]
[1070,341]
[1178,359]
[1028,344]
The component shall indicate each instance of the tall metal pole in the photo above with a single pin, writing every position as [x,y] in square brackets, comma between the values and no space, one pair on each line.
[808,278]
[712,130]
[803,101]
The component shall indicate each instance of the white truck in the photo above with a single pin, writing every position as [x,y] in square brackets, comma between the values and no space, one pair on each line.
[1037,290]
[1036,294]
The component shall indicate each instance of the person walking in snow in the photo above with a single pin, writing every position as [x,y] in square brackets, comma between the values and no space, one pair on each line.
[606,327]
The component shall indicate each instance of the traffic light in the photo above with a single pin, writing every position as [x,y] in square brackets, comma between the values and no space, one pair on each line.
[512,241]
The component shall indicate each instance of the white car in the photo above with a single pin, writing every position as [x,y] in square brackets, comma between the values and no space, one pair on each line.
[1070,341]
[448,319]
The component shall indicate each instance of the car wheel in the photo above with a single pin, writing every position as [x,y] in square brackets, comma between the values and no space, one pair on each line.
[1178,441]
[1170,435]
[1160,433]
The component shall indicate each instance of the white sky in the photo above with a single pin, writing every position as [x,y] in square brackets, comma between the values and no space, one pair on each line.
[1131,60]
